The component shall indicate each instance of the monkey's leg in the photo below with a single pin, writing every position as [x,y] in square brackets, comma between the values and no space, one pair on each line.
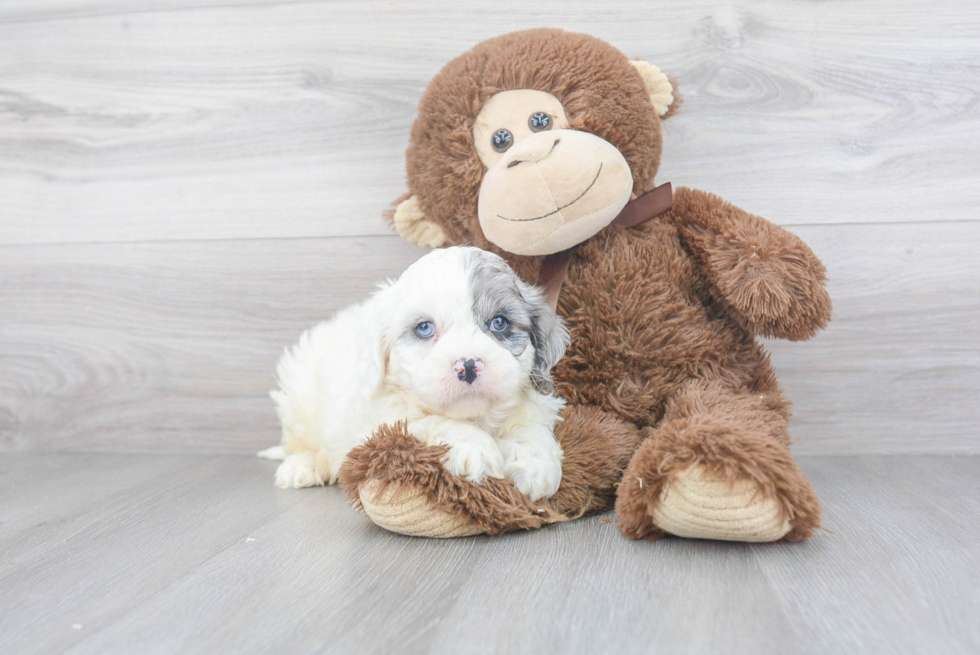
[402,485]
[598,445]
[718,466]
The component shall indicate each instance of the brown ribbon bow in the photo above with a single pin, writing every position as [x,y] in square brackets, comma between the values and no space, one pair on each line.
[639,210]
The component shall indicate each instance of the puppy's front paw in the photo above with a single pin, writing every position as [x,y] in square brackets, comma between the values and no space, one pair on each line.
[536,473]
[298,471]
[475,460]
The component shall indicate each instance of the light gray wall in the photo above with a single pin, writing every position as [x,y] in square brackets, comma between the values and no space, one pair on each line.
[184,188]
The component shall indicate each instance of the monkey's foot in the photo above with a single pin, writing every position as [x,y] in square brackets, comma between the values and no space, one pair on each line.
[713,484]
[402,485]
[697,505]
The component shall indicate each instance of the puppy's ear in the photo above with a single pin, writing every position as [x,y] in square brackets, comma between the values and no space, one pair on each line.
[372,342]
[548,336]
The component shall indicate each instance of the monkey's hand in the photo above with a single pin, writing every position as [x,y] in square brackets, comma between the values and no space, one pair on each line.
[770,280]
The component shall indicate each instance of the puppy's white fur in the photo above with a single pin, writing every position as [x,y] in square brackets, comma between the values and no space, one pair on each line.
[369,366]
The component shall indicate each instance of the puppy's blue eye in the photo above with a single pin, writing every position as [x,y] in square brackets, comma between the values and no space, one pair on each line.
[425,329]
[499,324]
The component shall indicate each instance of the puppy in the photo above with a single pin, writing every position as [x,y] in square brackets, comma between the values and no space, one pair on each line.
[459,347]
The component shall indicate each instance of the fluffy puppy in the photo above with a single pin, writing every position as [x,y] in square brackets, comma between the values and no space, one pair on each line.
[459,347]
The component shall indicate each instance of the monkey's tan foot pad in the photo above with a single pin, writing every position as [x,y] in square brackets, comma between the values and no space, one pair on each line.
[407,511]
[699,506]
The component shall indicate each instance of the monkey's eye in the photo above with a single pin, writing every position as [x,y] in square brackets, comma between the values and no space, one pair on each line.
[425,330]
[501,140]
[499,324]
[539,121]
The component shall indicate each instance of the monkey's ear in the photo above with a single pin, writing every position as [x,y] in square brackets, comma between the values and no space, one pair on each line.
[412,224]
[658,86]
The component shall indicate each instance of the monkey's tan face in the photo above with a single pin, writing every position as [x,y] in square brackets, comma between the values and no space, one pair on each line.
[547,187]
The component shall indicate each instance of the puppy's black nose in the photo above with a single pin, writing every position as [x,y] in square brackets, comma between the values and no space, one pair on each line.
[467,369]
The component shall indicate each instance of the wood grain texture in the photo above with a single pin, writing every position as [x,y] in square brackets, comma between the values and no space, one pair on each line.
[186,186]
[898,369]
[171,347]
[184,120]
[99,339]
[204,555]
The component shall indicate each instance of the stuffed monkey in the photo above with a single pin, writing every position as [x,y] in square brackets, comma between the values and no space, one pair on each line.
[543,146]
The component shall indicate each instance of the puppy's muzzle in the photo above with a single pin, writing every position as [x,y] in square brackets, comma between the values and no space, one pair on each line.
[468,369]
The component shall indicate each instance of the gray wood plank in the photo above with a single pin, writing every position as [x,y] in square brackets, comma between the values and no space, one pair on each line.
[591,586]
[96,340]
[219,560]
[902,544]
[170,347]
[35,517]
[898,369]
[266,120]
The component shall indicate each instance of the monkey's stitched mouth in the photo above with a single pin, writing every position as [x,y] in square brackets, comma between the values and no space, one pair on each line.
[538,218]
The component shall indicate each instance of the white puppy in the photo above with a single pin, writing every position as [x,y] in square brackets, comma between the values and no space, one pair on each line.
[459,347]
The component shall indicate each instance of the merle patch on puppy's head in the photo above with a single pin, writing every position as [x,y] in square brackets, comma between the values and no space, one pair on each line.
[498,292]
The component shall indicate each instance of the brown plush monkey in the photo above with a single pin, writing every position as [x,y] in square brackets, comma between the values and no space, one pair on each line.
[529,145]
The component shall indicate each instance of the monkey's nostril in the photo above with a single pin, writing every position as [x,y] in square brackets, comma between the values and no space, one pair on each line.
[514,163]
[557,141]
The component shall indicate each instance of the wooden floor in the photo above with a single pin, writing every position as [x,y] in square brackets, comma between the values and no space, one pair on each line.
[202,554]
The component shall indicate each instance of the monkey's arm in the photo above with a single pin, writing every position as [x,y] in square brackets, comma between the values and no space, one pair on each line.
[768,277]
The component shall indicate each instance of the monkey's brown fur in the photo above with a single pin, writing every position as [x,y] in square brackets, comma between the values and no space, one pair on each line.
[663,371]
